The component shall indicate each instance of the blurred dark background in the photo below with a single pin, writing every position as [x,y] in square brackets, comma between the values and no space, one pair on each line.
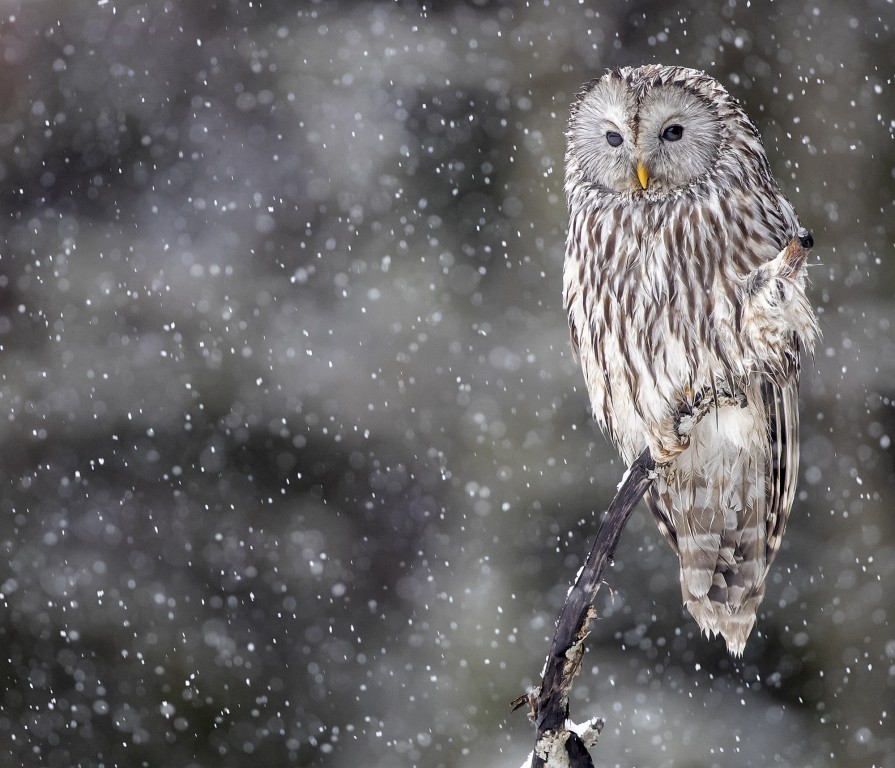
[296,465]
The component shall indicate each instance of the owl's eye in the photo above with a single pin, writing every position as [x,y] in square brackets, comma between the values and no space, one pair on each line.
[614,139]
[673,132]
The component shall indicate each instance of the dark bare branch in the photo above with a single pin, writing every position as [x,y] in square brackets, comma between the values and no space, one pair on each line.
[550,704]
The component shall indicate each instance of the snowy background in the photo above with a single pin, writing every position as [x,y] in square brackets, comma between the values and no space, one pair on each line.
[296,466]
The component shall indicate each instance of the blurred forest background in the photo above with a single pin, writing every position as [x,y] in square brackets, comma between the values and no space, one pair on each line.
[296,465]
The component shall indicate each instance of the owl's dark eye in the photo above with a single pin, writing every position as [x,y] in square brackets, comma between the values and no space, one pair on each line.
[614,139]
[673,132]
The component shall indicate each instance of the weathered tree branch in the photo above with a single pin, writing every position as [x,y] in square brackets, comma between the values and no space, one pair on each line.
[550,703]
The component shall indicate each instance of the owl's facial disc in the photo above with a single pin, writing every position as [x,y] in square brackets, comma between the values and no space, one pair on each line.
[644,138]
[678,137]
[603,135]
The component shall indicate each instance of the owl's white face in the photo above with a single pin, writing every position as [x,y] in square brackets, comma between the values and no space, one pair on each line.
[644,137]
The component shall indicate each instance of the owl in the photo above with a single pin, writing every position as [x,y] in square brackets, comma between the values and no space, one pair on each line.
[684,284]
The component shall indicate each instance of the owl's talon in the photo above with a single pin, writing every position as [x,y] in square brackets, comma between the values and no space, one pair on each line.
[664,459]
[689,414]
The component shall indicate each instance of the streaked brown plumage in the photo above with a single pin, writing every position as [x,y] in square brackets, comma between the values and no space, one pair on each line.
[685,291]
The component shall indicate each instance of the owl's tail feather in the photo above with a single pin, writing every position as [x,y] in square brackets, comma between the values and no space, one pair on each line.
[721,541]
[721,588]
[733,622]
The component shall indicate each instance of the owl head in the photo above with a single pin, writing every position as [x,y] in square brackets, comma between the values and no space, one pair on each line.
[649,130]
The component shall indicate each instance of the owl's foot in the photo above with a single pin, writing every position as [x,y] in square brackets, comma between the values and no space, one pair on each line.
[666,443]
[691,412]
[664,456]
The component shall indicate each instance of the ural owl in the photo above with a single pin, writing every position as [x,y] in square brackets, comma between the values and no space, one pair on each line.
[685,291]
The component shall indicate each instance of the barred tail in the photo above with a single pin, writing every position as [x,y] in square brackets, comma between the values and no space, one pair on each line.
[716,519]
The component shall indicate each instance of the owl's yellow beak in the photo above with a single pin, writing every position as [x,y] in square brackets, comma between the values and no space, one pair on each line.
[642,174]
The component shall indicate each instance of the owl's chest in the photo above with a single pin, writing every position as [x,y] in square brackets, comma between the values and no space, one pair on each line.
[670,293]
[648,277]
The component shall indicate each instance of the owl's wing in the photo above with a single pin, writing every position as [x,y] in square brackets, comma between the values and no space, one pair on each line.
[782,414]
[661,509]
[782,409]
